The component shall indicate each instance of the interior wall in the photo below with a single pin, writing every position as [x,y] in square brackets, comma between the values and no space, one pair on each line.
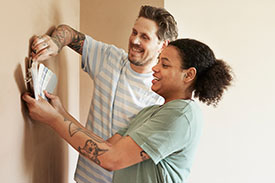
[31,152]
[238,140]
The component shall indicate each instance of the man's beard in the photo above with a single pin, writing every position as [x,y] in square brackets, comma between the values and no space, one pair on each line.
[137,62]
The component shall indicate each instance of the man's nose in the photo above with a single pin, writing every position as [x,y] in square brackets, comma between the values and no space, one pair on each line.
[136,40]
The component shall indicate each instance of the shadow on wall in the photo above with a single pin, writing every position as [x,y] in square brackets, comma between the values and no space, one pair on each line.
[45,153]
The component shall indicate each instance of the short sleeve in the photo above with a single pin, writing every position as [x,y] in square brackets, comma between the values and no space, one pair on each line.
[122,131]
[164,133]
[96,55]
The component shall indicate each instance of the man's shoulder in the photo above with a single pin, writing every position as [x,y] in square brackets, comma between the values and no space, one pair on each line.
[103,45]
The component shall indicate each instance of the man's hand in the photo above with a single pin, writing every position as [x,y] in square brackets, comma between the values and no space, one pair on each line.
[41,110]
[43,48]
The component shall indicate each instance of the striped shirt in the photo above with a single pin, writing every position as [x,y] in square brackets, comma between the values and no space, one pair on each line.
[119,94]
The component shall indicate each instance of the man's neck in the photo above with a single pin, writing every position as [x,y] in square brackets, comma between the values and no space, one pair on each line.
[143,69]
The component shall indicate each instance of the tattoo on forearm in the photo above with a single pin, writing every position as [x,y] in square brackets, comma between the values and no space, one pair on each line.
[143,155]
[59,37]
[65,35]
[92,151]
[73,129]
[77,42]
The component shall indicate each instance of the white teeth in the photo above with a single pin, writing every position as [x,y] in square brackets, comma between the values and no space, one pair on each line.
[155,78]
[136,50]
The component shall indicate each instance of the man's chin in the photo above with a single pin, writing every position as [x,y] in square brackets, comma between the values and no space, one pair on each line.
[135,61]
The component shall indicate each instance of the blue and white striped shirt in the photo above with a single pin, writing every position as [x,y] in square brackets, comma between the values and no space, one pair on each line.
[119,94]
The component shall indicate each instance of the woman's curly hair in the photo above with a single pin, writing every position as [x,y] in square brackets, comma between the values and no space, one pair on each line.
[213,75]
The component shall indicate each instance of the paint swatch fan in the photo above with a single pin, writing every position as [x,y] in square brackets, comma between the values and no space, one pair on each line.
[41,78]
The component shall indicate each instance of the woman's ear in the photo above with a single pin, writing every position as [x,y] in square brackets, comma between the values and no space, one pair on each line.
[191,73]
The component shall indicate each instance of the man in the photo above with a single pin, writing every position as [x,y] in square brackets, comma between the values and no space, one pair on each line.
[121,81]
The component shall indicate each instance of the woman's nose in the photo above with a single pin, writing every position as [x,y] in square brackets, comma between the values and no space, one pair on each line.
[155,68]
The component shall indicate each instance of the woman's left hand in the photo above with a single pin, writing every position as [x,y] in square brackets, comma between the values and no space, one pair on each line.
[40,109]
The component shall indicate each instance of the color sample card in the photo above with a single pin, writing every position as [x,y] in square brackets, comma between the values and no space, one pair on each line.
[43,79]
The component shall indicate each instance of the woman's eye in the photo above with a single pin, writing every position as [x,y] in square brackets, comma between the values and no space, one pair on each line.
[164,65]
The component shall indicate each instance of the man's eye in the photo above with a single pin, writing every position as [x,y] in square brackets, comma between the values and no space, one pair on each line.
[145,37]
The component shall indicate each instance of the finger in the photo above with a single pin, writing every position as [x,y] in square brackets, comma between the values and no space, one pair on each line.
[42,100]
[27,98]
[39,97]
[42,55]
[34,41]
[32,56]
[37,40]
[49,95]
[40,43]
[40,46]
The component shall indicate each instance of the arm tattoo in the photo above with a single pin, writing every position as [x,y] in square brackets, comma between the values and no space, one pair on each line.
[90,149]
[143,155]
[73,129]
[77,42]
[65,35]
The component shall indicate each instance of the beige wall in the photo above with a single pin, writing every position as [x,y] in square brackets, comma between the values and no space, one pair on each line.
[238,141]
[237,144]
[31,152]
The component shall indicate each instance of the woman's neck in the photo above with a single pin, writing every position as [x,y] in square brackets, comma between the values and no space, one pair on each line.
[166,100]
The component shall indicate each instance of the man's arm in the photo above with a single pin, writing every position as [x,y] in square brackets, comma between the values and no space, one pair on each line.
[44,47]
[67,36]
[116,153]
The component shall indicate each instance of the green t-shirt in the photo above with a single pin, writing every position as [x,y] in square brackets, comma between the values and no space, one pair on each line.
[169,135]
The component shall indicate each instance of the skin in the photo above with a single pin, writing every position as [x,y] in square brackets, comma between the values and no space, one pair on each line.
[144,45]
[45,47]
[170,80]
[117,152]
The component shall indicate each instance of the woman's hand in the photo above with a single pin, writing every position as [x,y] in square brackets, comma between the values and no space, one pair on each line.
[41,110]
[56,103]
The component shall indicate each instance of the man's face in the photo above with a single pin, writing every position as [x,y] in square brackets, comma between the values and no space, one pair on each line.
[144,45]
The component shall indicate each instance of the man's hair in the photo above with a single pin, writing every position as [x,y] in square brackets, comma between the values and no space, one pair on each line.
[167,26]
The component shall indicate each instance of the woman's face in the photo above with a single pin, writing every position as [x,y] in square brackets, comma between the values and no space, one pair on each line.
[168,74]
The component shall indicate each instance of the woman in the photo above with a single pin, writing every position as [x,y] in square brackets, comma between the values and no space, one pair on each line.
[159,143]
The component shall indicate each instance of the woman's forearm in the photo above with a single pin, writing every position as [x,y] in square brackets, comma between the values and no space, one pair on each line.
[84,141]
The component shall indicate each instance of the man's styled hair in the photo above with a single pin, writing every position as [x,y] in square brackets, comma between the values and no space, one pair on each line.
[167,26]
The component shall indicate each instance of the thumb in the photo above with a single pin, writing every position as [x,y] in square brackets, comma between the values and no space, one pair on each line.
[40,98]
[49,95]
[27,98]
